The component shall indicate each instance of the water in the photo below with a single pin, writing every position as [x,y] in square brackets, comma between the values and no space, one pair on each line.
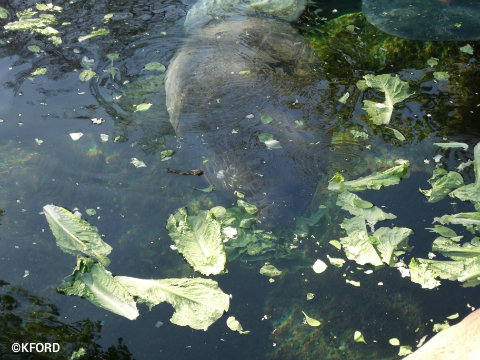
[40,164]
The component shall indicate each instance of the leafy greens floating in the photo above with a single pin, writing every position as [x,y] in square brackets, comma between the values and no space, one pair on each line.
[395,91]
[383,245]
[464,265]
[198,302]
[199,239]
[76,236]
[94,283]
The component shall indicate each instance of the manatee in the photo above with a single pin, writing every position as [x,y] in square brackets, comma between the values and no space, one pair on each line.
[222,82]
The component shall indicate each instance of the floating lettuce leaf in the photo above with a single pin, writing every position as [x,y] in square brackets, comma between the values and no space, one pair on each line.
[445,232]
[198,302]
[425,272]
[389,241]
[383,246]
[356,206]
[74,235]
[464,266]
[395,91]
[374,181]
[443,183]
[94,283]
[199,239]
[471,220]
[358,337]
[453,250]
[311,321]
[358,245]
[471,192]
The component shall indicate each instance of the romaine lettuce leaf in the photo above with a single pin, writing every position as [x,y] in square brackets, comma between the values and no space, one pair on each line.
[443,183]
[198,302]
[199,239]
[96,284]
[374,181]
[356,206]
[395,91]
[74,235]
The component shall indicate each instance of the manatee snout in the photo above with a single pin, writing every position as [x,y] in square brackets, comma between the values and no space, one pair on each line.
[236,83]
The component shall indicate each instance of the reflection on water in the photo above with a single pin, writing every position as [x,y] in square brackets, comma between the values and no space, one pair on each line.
[26,318]
[41,164]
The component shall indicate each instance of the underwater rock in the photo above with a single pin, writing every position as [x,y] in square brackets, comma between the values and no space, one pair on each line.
[248,98]
[461,341]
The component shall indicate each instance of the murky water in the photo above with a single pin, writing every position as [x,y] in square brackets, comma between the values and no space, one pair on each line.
[41,164]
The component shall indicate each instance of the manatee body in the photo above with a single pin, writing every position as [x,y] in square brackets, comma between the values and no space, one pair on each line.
[219,85]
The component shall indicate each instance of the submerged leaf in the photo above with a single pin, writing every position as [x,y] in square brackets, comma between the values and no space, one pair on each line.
[266,119]
[452,145]
[344,98]
[4,13]
[86,75]
[98,32]
[74,235]
[39,71]
[155,66]
[199,239]
[441,75]
[142,107]
[93,282]
[198,302]
[467,49]
[270,270]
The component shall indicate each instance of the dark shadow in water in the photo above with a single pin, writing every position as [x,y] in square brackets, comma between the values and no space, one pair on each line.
[26,318]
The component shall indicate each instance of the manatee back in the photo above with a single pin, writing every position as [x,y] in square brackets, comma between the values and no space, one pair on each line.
[220,84]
